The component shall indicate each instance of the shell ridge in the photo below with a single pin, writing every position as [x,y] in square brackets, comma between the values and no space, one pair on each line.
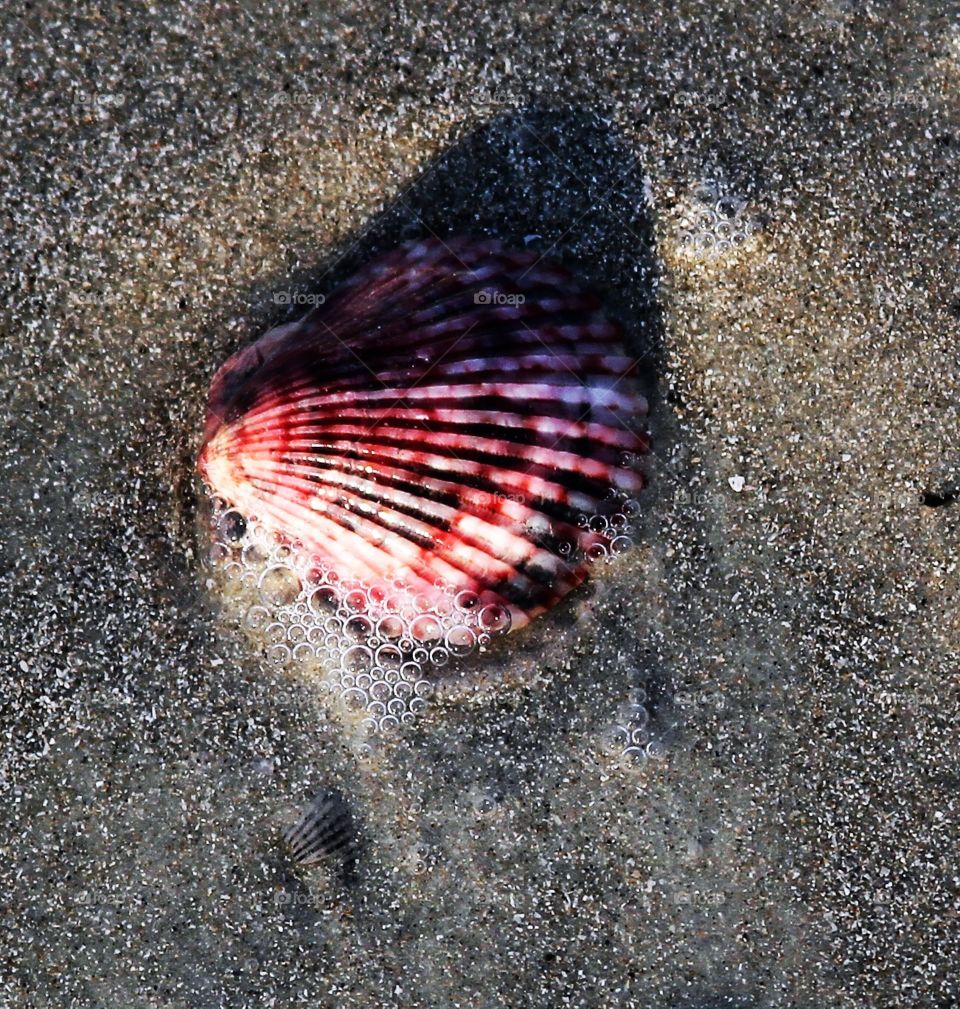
[588,364]
[454,557]
[330,540]
[514,550]
[475,500]
[456,440]
[525,475]
[407,556]
[305,422]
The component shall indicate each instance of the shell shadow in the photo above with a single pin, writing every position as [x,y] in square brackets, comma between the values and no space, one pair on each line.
[559,181]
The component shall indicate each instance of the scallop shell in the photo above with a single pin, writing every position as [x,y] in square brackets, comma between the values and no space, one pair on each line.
[457,417]
[325,831]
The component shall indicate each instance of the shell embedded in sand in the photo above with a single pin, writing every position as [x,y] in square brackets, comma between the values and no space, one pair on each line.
[325,831]
[458,420]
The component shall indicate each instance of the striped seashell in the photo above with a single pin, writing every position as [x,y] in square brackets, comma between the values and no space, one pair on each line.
[455,417]
[325,831]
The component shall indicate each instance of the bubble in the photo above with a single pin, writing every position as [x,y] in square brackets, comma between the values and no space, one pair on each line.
[390,627]
[324,599]
[483,803]
[596,552]
[389,656]
[357,659]
[275,632]
[467,601]
[304,653]
[358,628]
[279,586]
[256,618]
[403,689]
[381,690]
[296,633]
[444,607]
[729,206]
[461,641]
[426,628]
[278,655]
[411,670]
[633,756]
[218,554]
[233,571]
[639,736]
[254,555]
[495,619]
[354,700]
[615,738]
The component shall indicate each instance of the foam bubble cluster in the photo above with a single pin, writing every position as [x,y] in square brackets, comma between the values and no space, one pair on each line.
[713,220]
[632,739]
[376,651]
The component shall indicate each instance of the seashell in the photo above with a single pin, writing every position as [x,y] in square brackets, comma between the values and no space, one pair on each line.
[325,831]
[457,417]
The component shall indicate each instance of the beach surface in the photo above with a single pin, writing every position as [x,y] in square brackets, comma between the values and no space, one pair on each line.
[767,195]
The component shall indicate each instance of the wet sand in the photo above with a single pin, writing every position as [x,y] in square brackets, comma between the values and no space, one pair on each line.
[767,197]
